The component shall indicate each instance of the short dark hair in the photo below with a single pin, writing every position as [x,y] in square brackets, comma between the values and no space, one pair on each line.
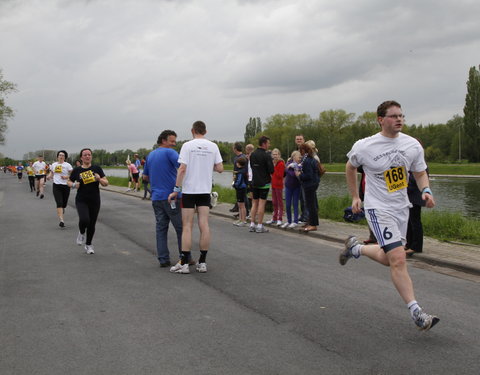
[383,108]
[164,136]
[238,146]
[199,127]
[241,161]
[263,139]
[64,152]
[84,149]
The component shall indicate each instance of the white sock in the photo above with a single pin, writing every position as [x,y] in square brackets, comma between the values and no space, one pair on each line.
[357,250]
[412,306]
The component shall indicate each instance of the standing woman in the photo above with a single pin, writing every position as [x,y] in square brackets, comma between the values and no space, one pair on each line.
[86,179]
[310,179]
[60,171]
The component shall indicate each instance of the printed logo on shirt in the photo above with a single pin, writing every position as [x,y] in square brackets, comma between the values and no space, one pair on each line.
[395,179]
[58,169]
[87,177]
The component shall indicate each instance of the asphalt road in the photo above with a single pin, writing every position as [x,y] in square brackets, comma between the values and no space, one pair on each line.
[275,303]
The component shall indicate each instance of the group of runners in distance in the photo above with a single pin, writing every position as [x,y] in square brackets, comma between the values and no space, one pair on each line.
[181,185]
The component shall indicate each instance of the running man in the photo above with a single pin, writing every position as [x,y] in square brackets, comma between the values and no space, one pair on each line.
[40,169]
[387,157]
[198,159]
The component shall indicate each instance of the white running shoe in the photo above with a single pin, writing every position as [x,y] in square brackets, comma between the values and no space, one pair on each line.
[423,320]
[285,225]
[89,249]
[80,239]
[236,223]
[126,191]
[178,268]
[292,225]
[279,222]
[261,229]
[270,222]
[201,267]
[252,228]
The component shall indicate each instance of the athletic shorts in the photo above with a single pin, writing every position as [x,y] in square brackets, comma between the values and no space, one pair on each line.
[260,193]
[19,176]
[135,177]
[40,176]
[195,200]
[389,227]
[241,195]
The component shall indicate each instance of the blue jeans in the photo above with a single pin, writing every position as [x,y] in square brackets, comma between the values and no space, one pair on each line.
[292,196]
[164,214]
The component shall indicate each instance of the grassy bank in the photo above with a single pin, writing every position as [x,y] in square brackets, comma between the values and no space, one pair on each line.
[442,225]
[434,168]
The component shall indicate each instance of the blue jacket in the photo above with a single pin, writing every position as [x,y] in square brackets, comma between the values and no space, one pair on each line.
[310,176]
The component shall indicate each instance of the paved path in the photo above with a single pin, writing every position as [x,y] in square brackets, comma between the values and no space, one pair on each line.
[462,257]
[277,303]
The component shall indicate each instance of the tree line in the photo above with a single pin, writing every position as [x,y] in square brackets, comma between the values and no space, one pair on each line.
[334,132]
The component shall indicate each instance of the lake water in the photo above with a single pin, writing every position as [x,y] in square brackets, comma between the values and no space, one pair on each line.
[456,194]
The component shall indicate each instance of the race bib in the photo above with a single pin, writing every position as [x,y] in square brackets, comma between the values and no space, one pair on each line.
[87,177]
[58,169]
[395,179]
[41,171]
[30,173]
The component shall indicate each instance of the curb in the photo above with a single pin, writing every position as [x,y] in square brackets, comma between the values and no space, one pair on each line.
[428,259]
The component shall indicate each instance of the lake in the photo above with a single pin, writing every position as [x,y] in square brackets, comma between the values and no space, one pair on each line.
[455,194]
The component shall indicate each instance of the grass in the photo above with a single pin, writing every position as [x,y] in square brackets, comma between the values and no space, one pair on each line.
[441,225]
[120,181]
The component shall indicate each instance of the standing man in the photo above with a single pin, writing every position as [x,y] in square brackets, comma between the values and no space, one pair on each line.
[262,169]
[161,171]
[387,157]
[300,140]
[238,152]
[40,169]
[198,159]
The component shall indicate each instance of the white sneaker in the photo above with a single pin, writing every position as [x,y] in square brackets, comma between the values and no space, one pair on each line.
[80,239]
[240,223]
[89,249]
[178,268]
[201,267]
[292,226]
[126,191]
[270,222]
[284,225]
[252,228]
[279,222]
[261,229]
[236,223]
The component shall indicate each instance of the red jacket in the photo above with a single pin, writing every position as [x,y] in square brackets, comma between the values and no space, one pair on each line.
[278,174]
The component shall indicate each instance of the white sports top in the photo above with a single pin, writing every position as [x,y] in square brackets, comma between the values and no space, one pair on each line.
[386,163]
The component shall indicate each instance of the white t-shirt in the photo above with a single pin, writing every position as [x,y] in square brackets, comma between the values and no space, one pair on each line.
[386,163]
[40,168]
[200,156]
[59,170]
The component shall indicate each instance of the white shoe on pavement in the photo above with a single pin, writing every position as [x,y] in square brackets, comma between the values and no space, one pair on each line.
[201,267]
[279,222]
[292,226]
[285,225]
[178,268]
[80,239]
[89,249]
[270,222]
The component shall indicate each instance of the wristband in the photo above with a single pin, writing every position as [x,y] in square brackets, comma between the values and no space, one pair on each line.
[177,189]
[427,190]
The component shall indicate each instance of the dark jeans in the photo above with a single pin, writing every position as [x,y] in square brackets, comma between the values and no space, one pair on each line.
[164,214]
[88,214]
[415,229]
[312,204]
[303,206]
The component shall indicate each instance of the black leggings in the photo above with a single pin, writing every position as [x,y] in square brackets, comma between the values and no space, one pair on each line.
[61,194]
[31,181]
[312,205]
[87,215]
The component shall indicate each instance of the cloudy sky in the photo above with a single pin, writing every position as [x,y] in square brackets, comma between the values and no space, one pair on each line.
[114,73]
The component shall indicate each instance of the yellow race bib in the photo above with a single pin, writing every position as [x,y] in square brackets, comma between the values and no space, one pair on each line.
[58,169]
[41,171]
[395,179]
[87,177]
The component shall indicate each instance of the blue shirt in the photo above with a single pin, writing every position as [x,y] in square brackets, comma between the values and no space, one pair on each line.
[161,169]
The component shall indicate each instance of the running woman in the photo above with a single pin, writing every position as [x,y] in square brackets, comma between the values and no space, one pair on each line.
[86,179]
[20,169]
[60,171]
[387,157]
[31,176]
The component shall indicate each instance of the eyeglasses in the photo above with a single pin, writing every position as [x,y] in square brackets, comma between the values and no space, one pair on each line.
[396,116]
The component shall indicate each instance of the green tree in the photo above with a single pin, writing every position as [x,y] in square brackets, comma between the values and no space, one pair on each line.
[5,111]
[253,127]
[471,119]
[332,121]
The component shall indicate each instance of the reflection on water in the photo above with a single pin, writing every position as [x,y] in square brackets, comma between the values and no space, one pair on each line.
[451,193]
